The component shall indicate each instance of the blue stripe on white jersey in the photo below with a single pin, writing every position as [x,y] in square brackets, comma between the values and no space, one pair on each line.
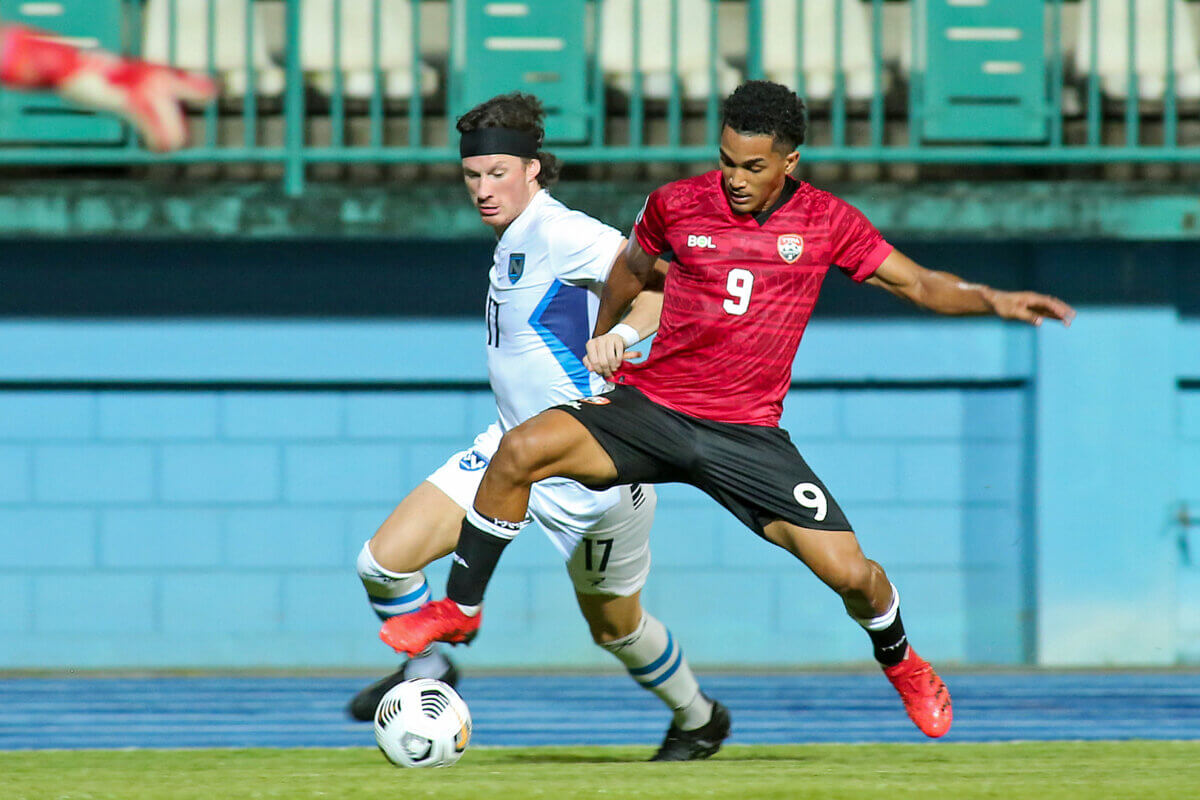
[541,315]
[562,320]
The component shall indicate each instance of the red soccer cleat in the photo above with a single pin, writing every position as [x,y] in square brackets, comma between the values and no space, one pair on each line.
[926,698]
[439,621]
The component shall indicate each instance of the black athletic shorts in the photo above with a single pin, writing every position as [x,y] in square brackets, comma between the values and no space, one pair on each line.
[753,470]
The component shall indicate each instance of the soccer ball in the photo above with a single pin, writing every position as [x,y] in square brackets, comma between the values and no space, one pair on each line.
[422,723]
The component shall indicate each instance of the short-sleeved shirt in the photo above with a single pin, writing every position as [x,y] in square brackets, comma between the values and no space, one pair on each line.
[740,292]
[548,270]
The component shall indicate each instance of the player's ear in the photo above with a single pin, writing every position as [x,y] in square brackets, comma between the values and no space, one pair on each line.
[790,161]
[533,169]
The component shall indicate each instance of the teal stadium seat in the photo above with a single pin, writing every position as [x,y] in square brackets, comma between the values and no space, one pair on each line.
[535,46]
[984,76]
[35,117]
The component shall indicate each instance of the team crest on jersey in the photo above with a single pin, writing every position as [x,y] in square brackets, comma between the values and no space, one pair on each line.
[596,401]
[516,266]
[472,461]
[790,246]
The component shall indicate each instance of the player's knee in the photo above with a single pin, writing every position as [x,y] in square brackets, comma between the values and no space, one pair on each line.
[370,571]
[607,631]
[853,577]
[519,456]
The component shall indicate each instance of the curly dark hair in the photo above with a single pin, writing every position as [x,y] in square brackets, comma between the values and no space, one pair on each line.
[519,112]
[763,107]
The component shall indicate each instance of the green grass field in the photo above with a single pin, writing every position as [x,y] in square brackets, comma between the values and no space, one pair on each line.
[1042,770]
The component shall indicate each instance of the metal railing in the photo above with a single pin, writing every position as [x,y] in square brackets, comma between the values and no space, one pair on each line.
[628,121]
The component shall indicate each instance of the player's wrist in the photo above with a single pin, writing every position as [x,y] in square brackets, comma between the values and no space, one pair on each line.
[628,333]
[990,296]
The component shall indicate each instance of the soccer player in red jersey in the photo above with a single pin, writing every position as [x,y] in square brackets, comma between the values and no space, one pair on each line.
[750,247]
[149,96]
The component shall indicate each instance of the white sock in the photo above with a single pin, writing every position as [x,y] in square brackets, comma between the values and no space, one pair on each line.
[391,593]
[886,618]
[656,662]
[429,663]
[394,593]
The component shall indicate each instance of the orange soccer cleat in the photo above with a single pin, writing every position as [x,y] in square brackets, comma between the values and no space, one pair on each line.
[438,621]
[926,698]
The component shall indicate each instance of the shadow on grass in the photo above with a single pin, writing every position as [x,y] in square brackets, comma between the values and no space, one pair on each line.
[738,755]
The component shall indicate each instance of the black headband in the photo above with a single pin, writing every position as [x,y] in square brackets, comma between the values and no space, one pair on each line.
[498,141]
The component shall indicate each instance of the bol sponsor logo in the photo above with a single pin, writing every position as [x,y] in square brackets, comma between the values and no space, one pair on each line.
[790,246]
[701,241]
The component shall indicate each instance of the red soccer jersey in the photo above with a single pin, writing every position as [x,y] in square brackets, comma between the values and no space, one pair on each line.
[739,293]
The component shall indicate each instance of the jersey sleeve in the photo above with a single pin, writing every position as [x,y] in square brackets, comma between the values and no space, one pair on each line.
[858,248]
[650,229]
[582,249]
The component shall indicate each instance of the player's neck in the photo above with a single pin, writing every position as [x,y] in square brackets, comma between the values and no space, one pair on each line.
[500,229]
[771,199]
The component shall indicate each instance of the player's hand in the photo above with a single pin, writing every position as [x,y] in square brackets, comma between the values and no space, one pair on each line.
[1031,307]
[606,353]
[148,96]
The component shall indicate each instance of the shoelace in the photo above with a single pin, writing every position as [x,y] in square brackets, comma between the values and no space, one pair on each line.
[920,681]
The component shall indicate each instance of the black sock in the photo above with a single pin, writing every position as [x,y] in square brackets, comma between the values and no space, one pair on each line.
[475,560]
[890,643]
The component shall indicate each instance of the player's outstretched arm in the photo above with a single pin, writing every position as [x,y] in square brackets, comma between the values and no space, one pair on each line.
[634,276]
[944,293]
[149,96]
[606,352]
[632,270]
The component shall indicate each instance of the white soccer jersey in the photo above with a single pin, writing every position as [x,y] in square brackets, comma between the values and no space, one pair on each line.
[547,273]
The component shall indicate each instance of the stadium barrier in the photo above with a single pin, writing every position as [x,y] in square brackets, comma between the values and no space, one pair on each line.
[380,81]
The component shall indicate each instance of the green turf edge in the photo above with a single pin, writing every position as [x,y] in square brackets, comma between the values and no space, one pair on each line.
[1044,770]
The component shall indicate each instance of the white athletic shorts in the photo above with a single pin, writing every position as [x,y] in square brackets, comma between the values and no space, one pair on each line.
[603,536]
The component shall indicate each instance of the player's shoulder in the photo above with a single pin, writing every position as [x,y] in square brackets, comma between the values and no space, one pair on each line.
[686,190]
[688,197]
[557,221]
[817,203]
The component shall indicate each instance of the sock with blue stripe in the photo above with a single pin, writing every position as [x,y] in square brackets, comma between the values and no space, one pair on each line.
[394,593]
[655,660]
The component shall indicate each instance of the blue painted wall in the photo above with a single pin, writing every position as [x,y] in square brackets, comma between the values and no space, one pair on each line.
[218,527]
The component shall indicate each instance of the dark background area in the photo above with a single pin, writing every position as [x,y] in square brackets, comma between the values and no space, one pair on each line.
[414,278]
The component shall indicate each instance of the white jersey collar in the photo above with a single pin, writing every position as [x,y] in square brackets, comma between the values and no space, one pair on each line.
[516,231]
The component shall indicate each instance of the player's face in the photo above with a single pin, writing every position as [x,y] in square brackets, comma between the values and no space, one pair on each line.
[500,186]
[752,170]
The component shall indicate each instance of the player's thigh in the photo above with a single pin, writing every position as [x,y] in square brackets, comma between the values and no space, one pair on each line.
[553,443]
[833,556]
[421,529]
[426,524]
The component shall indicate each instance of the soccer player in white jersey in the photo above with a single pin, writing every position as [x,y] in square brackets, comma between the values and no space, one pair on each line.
[149,96]
[549,267]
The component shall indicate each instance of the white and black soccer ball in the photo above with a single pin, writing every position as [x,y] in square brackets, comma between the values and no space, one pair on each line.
[422,723]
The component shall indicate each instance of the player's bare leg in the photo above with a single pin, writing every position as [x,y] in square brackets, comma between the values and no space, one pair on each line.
[552,443]
[870,598]
[422,528]
[643,644]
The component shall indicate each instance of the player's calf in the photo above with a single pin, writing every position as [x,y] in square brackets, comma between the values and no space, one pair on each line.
[656,662]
